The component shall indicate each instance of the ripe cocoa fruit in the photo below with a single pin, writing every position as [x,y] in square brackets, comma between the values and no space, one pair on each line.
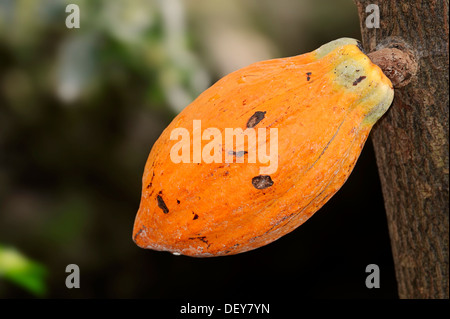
[323,103]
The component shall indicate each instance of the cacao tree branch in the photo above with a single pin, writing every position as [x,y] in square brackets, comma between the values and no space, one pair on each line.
[411,141]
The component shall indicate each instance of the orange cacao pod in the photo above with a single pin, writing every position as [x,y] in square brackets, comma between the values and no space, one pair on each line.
[323,105]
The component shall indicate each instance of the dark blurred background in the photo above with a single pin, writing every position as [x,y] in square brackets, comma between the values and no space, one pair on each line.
[79,112]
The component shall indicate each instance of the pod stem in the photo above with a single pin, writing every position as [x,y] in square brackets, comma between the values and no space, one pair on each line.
[398,64]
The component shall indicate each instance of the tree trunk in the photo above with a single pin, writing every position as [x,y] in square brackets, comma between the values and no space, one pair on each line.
[411,144]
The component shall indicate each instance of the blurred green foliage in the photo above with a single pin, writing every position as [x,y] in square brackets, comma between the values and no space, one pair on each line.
[24,272]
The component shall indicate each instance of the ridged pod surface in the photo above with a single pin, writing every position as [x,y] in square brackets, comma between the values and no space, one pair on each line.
[323,103]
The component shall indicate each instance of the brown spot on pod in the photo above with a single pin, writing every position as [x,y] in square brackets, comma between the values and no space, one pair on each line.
[255,119]
[262,181]
[161,204]
[359,80]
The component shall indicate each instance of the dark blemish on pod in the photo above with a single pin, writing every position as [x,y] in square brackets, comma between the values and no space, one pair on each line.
[244,102]
[237,154]
[161,203]
[262,181]
[359,80]
[178,201]
[195,216]
[308,76]
[255,119]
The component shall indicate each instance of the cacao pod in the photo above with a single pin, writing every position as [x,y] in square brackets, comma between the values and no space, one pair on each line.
[323,105]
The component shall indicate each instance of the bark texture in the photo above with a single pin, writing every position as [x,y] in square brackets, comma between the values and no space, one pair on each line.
[411,143]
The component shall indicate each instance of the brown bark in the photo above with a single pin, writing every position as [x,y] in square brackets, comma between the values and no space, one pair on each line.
[411,143]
